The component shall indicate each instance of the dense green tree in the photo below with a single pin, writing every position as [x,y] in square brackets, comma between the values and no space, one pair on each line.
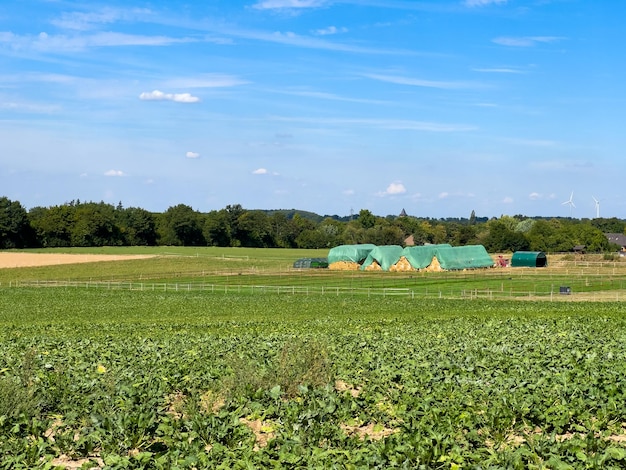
[217,229]
[254,229]
[366,219]
[53,225]
[15,228]
[138,226]
[502,238]
[612,225]
[284,231]
[94,224]
[181,225]
[466,235]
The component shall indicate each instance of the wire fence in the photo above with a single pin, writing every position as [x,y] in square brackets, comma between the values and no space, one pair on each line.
[369,292]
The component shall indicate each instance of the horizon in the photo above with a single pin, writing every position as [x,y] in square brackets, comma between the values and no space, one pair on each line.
[437,106]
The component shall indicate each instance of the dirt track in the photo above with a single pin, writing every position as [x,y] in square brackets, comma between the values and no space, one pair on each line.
[20,260]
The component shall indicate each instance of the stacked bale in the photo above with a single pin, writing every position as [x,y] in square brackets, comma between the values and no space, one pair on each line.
[348,257]
[403,265]
[383,256]
[420,257]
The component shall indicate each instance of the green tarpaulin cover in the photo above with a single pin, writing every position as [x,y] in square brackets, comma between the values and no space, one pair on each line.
[386,256]
[420,257]
[464,257]
[353,253]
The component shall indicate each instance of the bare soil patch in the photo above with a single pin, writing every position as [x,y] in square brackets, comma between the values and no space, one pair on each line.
[21,260]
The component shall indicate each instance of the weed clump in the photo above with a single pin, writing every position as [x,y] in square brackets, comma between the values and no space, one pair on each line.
[298,363]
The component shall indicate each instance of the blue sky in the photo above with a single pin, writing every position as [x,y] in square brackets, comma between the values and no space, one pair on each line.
[439,107]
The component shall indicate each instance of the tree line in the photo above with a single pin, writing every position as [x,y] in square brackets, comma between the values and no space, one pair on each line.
[92,224]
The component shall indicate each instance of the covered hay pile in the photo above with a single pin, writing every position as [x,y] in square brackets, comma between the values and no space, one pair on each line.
[434,266]
[344,266]
[402,265]
[373,266]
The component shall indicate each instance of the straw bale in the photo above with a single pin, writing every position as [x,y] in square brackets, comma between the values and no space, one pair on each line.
[434,265]
[373,267]
[402,265]
[344,266]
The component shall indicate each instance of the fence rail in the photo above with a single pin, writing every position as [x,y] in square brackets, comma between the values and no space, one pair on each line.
[370,292]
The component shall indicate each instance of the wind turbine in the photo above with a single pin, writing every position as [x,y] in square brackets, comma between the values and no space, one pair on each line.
[570,203]
[597,206]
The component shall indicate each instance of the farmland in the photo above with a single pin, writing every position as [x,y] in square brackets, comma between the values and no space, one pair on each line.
[142,378]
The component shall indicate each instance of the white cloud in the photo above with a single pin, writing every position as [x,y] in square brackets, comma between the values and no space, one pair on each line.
[482,3]
[157,95]
[260,171]
[114,173]
[393,189]
[277,4]
[526,41]
[192,155]
[443,195]
[348,192]
[330,30]
[508,200]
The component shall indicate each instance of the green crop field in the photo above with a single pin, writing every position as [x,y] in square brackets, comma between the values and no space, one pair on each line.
[143,378]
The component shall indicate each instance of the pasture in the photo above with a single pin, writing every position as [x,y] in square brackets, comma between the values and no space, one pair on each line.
[113,377]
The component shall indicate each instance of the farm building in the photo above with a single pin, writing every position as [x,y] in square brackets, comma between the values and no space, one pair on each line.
[345,257]
[530,259]
[311,263]
[618,239]
[382,257]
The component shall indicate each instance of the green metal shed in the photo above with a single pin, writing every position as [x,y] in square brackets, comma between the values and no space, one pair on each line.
[529,259]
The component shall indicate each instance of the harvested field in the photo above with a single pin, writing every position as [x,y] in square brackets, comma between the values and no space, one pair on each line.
[21,260]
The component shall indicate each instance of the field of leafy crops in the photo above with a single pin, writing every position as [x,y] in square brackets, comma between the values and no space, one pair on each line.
[133,379]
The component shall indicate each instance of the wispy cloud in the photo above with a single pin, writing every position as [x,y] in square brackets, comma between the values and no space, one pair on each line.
[525,41]
[157,95]
[508,200]
[192,155]
[531,142]
[330,96]
[286,4]
[499,70]
[482,3]
[260,171]
[534,196]
[84,21]
[389,124]
[114,173]
[418,82]
[330,31]
[45,42]
[207,81]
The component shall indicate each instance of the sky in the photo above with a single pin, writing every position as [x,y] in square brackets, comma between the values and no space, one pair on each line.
[437,107]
